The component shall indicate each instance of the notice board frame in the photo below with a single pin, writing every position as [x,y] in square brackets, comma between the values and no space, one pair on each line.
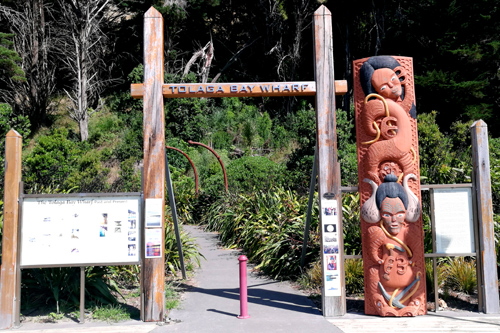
[135,195]
[436,217]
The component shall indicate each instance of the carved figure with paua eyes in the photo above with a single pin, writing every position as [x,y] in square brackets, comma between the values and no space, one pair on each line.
[386,115]
[394,278]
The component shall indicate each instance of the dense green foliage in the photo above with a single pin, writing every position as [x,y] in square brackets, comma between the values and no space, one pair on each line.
[266,144]
[9,59]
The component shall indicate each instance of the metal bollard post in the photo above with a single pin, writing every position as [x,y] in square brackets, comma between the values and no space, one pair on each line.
[243,288]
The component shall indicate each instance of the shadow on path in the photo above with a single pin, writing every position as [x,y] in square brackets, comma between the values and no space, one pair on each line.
[265,297]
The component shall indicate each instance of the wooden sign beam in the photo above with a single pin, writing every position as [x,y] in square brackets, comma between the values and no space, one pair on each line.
[254,89]
[153,269]
[9,276]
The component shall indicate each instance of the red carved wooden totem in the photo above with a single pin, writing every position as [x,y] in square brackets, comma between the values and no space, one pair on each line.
[389,186]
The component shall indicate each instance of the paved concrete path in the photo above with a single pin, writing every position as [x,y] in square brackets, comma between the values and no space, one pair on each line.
[442,322]
[212,305]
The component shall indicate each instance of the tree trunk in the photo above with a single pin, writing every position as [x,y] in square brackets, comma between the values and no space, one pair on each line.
[83,125]
[35,51]
[83,72]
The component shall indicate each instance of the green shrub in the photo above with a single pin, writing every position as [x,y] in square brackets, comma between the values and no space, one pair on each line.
[177,159]
[89,175]
[222,139]
[52,160]
[461,274]
[444,159]
[131,144]
[249,172]
[279,137]
[104,128]
[130,176]
[187,118]
[9,120]
[354,276]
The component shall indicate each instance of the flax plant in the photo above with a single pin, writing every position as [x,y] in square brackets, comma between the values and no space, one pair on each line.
[268,226]
[461,274]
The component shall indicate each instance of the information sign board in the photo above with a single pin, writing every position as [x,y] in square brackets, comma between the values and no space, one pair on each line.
[80,230]
[453,219]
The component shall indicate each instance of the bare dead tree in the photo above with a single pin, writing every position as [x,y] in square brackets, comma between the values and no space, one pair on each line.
[34,43]
[179,3]
[82,48]
[205,56]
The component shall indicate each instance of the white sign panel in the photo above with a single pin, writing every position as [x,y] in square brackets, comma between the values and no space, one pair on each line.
[80,230]
[454,222]
[154,208]
[332,261]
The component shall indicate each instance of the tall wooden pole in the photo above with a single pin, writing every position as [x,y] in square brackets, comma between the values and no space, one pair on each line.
[153,269]
[328,166]
[486,258]
[10,264]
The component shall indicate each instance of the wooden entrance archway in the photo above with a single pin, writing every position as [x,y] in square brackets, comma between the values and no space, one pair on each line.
[153,90]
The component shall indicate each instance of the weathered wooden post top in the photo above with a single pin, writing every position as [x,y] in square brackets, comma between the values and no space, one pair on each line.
[153,90]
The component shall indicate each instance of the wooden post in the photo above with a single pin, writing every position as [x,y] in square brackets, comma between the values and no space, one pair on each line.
[10,264]
[153,269]
[482,185]
[328,166]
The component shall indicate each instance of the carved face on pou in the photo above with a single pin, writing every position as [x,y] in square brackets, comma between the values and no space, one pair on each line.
[386,83]
[393,215]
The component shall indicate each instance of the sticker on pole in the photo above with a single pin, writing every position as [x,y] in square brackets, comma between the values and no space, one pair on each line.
[152,240]
[154,208]
[331,256]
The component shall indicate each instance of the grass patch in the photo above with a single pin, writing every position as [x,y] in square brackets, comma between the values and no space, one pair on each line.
[171,297]
[171,303]
[111,313]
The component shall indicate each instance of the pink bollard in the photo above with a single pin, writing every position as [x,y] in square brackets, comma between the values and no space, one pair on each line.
[243,288]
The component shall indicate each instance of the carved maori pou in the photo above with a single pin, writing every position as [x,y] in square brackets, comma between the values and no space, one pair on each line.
[389,186]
